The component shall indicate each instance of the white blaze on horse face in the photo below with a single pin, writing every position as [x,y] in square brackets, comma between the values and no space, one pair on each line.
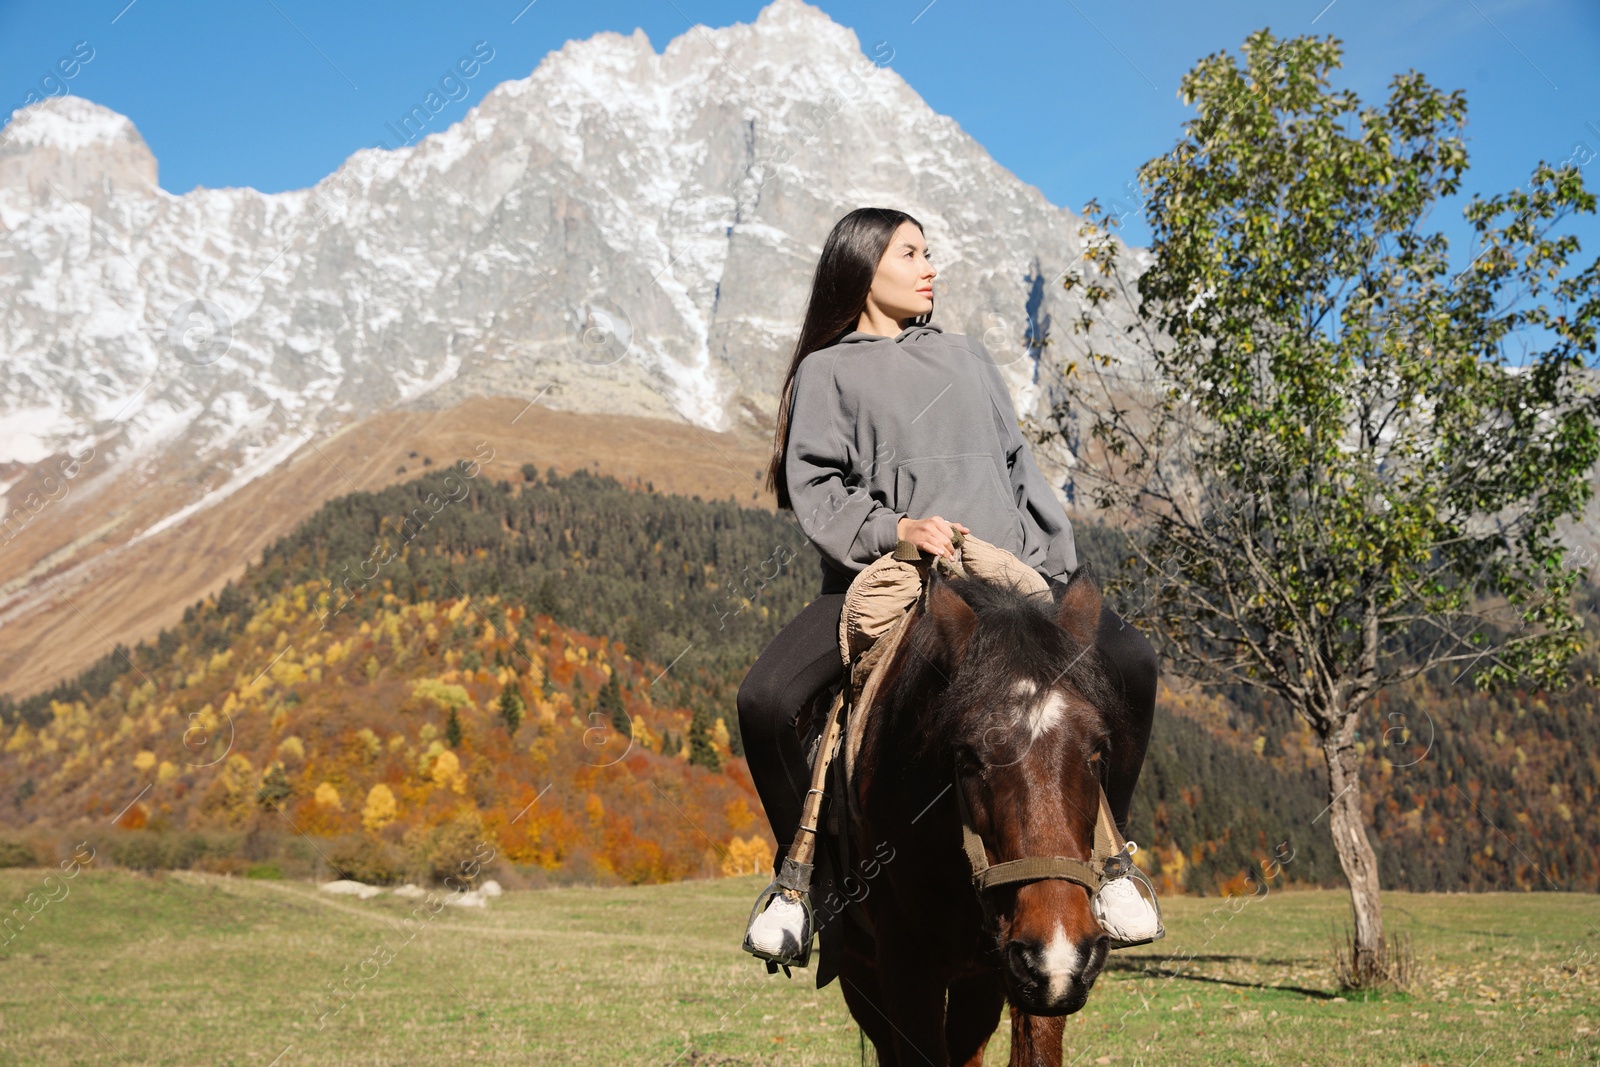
[1059,963]
[1047,714]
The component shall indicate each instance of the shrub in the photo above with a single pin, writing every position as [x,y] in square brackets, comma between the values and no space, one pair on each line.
[364,859]
[438,852]
[14,853]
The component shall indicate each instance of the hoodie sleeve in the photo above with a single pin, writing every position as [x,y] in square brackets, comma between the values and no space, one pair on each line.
[850,526]
[1045,524]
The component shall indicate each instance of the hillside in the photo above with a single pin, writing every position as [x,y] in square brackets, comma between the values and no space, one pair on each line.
[83,566]
[276,710]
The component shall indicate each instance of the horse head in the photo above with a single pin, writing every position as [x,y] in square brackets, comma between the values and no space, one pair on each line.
[1019,715]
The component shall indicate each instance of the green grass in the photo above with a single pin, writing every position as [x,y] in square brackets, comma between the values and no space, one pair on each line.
[188,968]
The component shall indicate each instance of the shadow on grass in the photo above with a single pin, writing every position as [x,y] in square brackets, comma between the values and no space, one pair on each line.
[1267,961]
[1134,966]
[1446,929]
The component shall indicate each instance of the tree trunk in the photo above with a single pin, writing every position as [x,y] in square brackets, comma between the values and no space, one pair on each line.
[1367,965]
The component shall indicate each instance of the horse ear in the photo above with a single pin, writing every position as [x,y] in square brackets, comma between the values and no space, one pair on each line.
[953,622]
[1078,611]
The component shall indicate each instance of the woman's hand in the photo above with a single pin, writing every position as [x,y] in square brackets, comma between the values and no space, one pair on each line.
[932,534]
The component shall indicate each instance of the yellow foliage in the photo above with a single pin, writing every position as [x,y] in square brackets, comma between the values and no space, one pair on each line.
[236,775]
[144,760]
[595,808]
[327,796]
[256,686]
[447,772]
[456,609]
[442,694]
[166,771]
[286,672]
[719,733]
[644,736]
[380,808]
[291,747]
[220,661]
[738,813]
[747,855]
[336,653]
[20,738]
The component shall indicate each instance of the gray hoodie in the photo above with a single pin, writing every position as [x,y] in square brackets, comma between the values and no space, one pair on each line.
[916,425]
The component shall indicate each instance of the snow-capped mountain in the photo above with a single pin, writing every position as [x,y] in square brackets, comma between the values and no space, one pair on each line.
[620,231]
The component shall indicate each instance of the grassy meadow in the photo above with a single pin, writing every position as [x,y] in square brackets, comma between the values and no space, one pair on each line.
[190,968]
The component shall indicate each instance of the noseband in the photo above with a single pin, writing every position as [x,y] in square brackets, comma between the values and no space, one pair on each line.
[1108,859]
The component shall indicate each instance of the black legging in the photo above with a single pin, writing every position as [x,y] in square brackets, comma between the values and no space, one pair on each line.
[804,658]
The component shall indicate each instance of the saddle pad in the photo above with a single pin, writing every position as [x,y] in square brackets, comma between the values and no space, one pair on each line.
[881,594]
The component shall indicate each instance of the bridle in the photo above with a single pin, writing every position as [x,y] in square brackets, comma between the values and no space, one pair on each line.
[1108,859]
[1109,856]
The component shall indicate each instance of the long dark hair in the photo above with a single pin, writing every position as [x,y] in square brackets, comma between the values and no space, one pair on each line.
[845,270]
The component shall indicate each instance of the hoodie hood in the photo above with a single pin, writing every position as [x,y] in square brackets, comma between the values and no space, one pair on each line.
[908,334]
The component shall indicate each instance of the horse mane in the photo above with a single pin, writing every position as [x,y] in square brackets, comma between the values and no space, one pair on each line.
[1017,636]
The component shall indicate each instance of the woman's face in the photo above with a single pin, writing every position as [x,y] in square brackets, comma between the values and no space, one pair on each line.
[903,286]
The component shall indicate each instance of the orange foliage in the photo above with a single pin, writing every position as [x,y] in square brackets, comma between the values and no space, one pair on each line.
[554,795]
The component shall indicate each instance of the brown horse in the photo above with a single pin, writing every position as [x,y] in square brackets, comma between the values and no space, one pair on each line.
[1006,697]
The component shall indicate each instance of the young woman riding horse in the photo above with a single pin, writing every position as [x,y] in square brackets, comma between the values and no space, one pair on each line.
[890,429]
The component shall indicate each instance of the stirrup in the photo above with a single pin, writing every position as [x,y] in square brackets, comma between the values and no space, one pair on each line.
[1122,868]
[795,878]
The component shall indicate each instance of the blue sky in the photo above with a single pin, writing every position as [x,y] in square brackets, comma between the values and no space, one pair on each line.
[1070,95]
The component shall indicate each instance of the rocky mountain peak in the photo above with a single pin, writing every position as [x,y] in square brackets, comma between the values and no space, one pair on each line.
[620,231]
[87,151]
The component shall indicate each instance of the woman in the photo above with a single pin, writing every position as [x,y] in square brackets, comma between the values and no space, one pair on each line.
[888,426]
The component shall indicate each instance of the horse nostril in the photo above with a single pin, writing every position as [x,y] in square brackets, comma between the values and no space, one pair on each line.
[1023,959]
